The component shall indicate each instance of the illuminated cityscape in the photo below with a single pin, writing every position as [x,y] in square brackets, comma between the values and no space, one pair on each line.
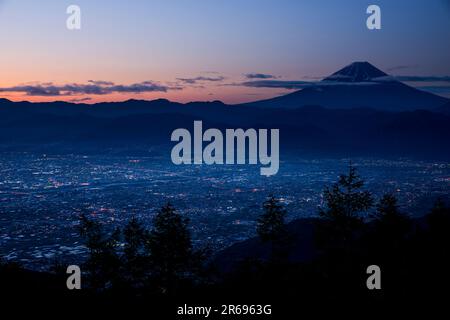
[41,197]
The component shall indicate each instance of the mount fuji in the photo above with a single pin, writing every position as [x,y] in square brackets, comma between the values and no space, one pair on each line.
[358,85]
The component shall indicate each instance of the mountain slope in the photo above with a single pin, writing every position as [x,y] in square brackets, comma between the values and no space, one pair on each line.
[445,109]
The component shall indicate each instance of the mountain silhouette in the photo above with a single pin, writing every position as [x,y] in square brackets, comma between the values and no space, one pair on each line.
[445,109]
[134,126]
[357,111]
[358,85]
[356,72]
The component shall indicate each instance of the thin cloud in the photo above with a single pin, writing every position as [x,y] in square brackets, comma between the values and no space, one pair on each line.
[293,85]
[81,99]
[101,83]
[423,78]
[201,78]
[92,88]
[277,84]
[401,67]
[259,76]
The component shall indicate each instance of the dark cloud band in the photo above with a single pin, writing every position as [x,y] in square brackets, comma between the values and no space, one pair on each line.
[93,88]
[201,78]
[423,78]
[259,76]
[277,84]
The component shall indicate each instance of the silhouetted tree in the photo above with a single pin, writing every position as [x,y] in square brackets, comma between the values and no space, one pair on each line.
[171,248]
[345,202]
[389,232]
[439,221]
[271,225]
[58,267]
[392,225]
[271,229]
[431,251]
[135,254]
[103,263]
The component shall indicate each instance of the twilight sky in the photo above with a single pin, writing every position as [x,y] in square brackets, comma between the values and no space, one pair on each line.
[187,50]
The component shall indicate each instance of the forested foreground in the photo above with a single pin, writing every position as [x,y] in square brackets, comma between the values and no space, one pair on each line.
[361,253]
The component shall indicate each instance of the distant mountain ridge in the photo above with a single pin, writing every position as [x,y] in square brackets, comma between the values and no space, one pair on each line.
[358,85]
[311,127]
[143,125]
[445,109]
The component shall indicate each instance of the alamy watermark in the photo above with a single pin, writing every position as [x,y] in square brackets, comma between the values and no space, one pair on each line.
[373,22]
[374,280]
[240,146]
[74,280]
[73,22]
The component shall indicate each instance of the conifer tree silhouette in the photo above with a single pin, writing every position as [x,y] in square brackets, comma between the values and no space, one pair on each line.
[439,221]
[171,248]
[103,264]
[271,224]
[345,202]
[391,225]
[135,253]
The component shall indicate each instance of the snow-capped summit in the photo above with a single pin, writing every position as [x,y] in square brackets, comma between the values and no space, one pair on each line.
[356,72]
